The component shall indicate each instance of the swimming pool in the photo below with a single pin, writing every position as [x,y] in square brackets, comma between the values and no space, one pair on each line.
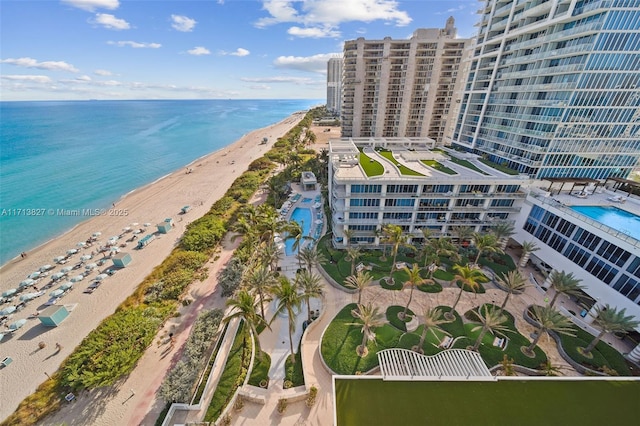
[304,218]
[613,217]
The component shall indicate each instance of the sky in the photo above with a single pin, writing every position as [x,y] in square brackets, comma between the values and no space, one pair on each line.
[196,49]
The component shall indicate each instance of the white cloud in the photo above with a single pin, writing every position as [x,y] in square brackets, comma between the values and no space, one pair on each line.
[103,73]
[239,52]
[316,63]
[259,87]
[111,22]
[84,78]
[28,78]
[135,44]
[280,79]
[46,65]
[183,23]
[329,14]
[198,51]
[313,32]
[92,5]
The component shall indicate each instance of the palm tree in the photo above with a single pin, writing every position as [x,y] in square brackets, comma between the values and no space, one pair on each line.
[395,237]
[245,306]
[371,318]
[467,276]
[348,234]
[288,301]
[269,254]
[443,247]
[245,225]
[548,319]
[311,286]
[260,279]
[512,282]
[294,232]
[360,281]
[550,369]
[610,320]
[431,318]
[491,319]
[485,243]
[565,283]
[528,247]
[413,281]
[461,233]
[353,253]
[502,232]
[311,257]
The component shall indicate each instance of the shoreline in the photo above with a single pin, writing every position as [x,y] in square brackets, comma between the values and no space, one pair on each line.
[210,178]
[117,200]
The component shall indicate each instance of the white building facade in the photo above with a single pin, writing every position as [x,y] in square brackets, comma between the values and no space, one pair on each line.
[403,88]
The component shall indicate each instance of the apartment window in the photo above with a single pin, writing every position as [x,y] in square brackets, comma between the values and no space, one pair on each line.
[364,202]
[362,227]
[601,270]
[501,203]
[586,239]
[363,215]
[577,255]
[400,202]
[398,216]
[437,189]
[363,240]
[613,253]
[634,268]
[402,189]
[565,227]
[366,189]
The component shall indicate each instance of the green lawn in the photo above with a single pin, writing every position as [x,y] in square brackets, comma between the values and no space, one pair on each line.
[260,372]
[392,317]
[370,166]
[239,358]
[500,167]
[403,169]
[293,370]
[467,164]
[522,402]
[439,167]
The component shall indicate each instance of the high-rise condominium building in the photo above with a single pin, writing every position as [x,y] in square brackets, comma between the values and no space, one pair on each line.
[334,85]
[402,88]
[554,88]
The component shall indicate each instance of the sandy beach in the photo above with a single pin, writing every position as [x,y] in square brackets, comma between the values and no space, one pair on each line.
[33,346]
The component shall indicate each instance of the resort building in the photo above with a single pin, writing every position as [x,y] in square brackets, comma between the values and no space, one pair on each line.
[403,88]
[554,88]
[411,183]
[597,238]
[334,85]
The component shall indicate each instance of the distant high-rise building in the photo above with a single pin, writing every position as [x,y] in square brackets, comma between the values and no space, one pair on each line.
[334,85]
[554,88]
[403,88]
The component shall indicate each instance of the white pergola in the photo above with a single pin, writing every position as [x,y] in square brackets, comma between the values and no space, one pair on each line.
[452,364]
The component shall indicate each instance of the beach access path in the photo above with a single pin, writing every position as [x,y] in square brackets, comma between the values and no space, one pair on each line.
[209,179]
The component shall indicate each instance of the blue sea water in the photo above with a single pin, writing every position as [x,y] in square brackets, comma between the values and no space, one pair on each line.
[88,154]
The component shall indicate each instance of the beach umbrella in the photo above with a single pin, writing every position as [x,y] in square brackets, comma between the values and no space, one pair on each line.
[45,268]
[34,275]
[81,244]
[72,251]
[137,231]
[134,224]
[101,277]
[58,275]
[29,296]
[8,310]
[57,292]
[147,224]
[66,286]
[67,269]
[115,249]
[126,229]
[77,278]
[85,257]
[9,292]
[96,234]
[90,266]
[58,259]
[26,283]
[16,325]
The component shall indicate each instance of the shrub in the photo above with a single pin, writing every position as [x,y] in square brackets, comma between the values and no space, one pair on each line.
[282,405]
[311,398]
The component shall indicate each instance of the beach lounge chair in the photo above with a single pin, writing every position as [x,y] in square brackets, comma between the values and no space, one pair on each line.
[5,362]
[615,199]
[446,342]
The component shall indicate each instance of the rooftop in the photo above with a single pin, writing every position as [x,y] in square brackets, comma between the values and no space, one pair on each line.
[407,158]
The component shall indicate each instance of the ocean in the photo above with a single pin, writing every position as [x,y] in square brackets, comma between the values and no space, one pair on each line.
[72,155]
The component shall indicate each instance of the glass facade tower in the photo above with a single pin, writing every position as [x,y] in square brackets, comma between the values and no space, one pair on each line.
[554,88]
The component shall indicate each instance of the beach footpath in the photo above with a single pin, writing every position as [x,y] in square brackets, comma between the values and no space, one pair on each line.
[157,209]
